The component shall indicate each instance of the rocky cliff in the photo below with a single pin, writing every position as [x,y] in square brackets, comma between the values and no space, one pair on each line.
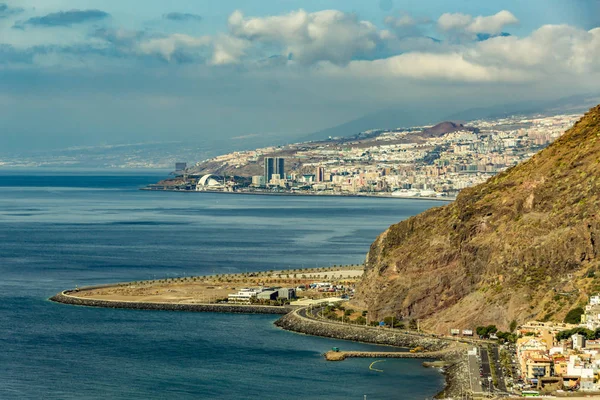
[523,245]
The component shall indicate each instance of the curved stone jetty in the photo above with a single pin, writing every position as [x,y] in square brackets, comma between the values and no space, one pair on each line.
[65,297]
[301,324]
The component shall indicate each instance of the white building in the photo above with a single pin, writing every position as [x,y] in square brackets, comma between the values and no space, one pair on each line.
[243,296]
[258,181]
[578,341]
[576,367]
[591,318]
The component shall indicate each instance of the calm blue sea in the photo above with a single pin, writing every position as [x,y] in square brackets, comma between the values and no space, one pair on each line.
[62,230]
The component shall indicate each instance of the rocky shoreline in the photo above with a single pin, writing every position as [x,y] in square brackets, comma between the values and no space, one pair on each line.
[65,298]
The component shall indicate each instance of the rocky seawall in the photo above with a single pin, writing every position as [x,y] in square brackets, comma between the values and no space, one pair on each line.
[296,323]
[65,298]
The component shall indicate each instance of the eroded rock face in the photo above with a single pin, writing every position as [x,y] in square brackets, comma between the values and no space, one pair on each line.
[523,245]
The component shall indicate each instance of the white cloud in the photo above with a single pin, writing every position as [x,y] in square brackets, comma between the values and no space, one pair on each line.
[493,24]
[552,49]
[406,26]
[329,35]
[400,22]
[454,21]
[166,47]
[432,66]
[551,52]
[228,50]
[337,43]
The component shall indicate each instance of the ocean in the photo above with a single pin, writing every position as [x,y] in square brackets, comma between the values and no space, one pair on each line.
[59,230]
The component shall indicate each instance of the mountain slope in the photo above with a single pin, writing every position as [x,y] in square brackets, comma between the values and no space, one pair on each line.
[575,104]
[523,245]
[402,118]
[385,119]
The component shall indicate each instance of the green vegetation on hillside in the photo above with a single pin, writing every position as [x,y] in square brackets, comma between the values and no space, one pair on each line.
[574,316]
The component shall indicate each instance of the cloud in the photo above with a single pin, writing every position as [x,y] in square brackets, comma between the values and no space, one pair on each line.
[493,24]
[119,37]
[65,18]
[178,16]
[229,50]
[405,25]
[7,11]
[140,45]
[400,22]
[549,51]
[552,51]
[306,38]
[455,67]
[334,43]
[454,21]
[177,46]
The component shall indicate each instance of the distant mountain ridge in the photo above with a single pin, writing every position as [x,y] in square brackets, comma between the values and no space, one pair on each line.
[385,119]
[393,118]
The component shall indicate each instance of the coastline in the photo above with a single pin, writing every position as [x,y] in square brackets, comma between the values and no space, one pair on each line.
[455,373]
[380,196]
[291,320]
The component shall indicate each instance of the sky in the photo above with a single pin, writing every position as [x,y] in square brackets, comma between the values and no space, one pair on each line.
[91,72]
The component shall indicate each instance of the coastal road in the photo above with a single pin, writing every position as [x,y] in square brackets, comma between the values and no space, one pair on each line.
[474,375]
[315,310]
[499,373]
[486,370]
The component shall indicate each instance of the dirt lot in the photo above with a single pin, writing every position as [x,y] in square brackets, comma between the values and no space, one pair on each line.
[209,289]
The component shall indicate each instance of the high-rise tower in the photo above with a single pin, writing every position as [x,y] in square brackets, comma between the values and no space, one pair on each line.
[269,169]
[320,174]
[280,167]
[274,166]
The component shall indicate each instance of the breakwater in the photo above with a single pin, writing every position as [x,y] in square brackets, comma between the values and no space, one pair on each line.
[66,298]
[342,355]
[297,323]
